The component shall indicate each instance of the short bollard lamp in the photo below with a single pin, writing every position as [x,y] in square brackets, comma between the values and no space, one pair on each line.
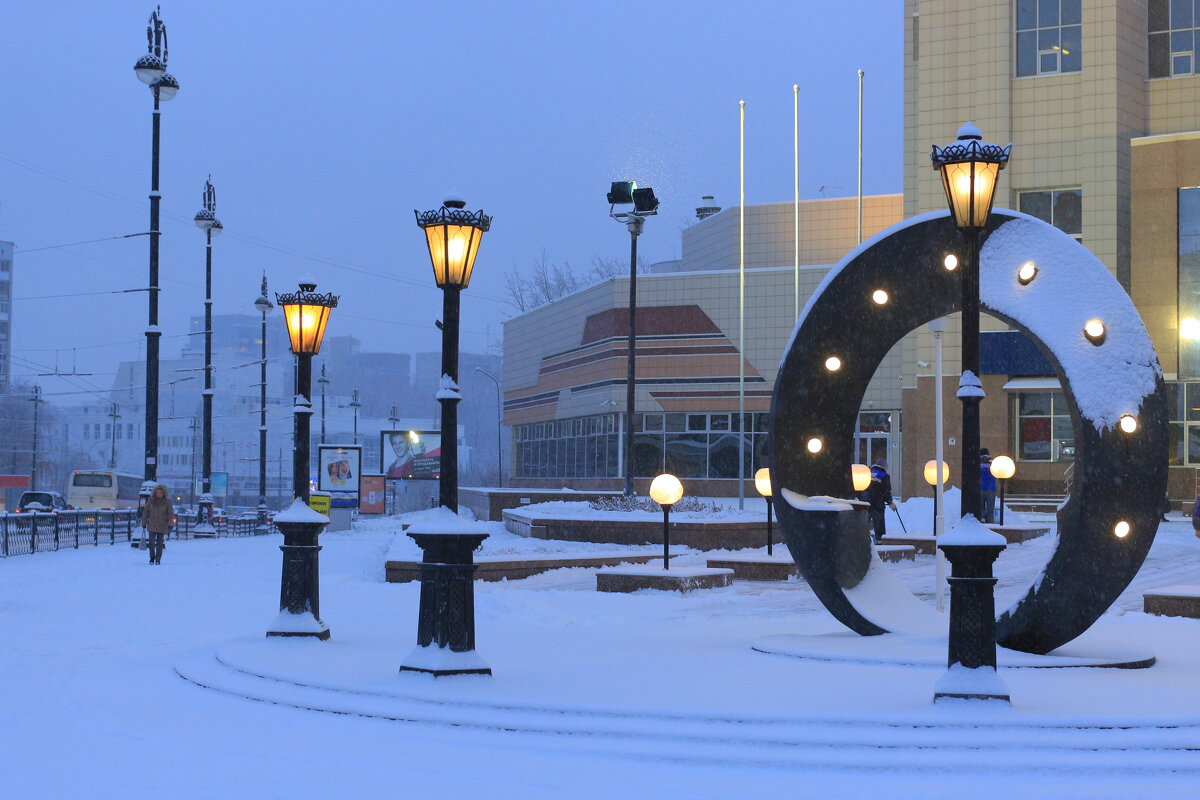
[666,491]
[453,235]
[860,477]
[931,477]
[1002,469]
[446,619]
[971,654]
[970,169]
[306,313]
[762,482]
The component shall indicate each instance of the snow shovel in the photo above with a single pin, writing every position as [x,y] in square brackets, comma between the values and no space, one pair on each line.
[902,525]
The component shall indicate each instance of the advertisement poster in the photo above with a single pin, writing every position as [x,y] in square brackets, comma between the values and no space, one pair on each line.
[411,455]
[372,494]
[219,481]
[339,467]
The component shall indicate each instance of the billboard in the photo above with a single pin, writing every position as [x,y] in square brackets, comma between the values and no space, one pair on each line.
[411,455]
[339,467]
[372,495]
[219,481]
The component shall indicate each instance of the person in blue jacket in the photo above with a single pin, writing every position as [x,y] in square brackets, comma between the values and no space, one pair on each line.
[987,486]
[879,496]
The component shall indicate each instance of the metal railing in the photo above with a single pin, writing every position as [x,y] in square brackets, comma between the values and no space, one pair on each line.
[33,532]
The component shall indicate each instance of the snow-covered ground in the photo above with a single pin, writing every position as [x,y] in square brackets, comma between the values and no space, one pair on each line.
[595,695]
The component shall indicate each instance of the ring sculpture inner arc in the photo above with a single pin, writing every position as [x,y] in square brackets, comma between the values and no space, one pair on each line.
[1117,476]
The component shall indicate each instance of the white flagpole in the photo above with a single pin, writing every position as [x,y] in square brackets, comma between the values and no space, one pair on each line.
[796,187]
[742,304]
[860,115]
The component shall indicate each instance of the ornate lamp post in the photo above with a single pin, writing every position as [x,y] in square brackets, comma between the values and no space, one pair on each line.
[645,204]
[324,381]
[453,236]
[666,490]
[264,306]
[306,314]
[206,220]
[970,170]
[356,405]
[151,69]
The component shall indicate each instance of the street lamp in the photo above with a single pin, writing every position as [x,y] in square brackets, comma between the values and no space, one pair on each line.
[1002,469]
[306,314]
[206,220]
[970,170]
[151,69]
[354,404]
[645,204]
[762,482]
[932,478]
[666,491]
[453,235]
[324,381]
[264,306]
[499,426]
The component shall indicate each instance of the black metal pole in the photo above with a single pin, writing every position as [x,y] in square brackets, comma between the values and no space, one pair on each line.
[448,478]
[323,381]
[769,536]
[971,494]
[300,454]
[206,488]
[635,227]
[666,537]
[37,401]
[1002,482]
[152,332]
[262,427]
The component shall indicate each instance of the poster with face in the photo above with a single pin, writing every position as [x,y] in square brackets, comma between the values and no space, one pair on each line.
[339,468]
[411,455]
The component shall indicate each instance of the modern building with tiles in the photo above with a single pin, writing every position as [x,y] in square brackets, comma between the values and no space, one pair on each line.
[1101,101]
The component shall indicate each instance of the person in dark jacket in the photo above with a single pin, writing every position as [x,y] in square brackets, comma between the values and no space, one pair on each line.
[987,486]
[879,496]
[156,519]
[1196,518]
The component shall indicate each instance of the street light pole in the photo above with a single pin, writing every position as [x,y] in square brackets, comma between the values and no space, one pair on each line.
[453,236]
[499,426]
[354,404]
[114,415]
[151,69]
[324,381]
[264,306]
[37,401]
[206,220]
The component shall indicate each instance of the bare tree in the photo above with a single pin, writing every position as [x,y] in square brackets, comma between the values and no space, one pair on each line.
[546,282]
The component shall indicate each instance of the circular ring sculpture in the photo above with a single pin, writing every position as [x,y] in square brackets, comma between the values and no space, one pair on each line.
[1086,325]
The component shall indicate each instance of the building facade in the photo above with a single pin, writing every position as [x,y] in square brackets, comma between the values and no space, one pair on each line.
[6,284]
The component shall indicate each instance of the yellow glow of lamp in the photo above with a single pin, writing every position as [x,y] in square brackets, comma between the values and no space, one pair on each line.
[970,170]
[931,470]
[666,490]
[1002,467]
[453,235]
[860,476]
[306,314]
[762,481]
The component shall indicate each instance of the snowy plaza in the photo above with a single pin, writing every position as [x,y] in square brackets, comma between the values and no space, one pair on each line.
[652,694]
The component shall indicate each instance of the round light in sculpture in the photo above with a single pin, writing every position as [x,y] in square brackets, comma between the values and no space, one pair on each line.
[1003,468]
[666,490]
[762,481]
[1094,331]
[1027,273]
[1128,423]
[860,476]
[814,445]
[880,297]
[1189,328]
[833,363]
[931,471]
[1121,529]
[951,262]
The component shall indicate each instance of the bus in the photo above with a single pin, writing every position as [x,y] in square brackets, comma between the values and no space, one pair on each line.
[103,489]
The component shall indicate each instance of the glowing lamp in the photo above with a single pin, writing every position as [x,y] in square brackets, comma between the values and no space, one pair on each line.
[880,297]
[1027,272]
[833,363]
[1189,328]
[860,476]
[306,314]
[1121,529]
[1094,331]
[762,481]
[969,170]
[1003,468]
[931,472]
[950,262]
[666,490]
[814,445]
[453,235]
[1128,423]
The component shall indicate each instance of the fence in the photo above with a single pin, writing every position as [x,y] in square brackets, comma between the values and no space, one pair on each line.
[33,532]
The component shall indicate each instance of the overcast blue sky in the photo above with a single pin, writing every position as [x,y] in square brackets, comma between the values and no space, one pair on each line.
[324,124]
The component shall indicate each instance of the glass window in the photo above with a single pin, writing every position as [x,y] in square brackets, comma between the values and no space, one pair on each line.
[1189,284]
[697,422]
[653,422]
[1044,430]
[647,455]
[723,456]
[1048,37]
[687,455]
[1062,208]
[1171,38]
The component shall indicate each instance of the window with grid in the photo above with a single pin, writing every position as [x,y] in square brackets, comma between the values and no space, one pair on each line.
[1044,431]
[1048,37]
[1062,208]
[1171,38]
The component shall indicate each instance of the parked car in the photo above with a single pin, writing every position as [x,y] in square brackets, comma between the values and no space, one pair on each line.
[42,501]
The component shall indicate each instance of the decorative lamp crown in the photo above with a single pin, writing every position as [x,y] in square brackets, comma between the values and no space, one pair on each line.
[970,169]
[306,314]
[453,235]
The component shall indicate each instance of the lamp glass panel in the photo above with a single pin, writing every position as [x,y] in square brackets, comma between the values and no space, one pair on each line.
[666,490]
[452,251]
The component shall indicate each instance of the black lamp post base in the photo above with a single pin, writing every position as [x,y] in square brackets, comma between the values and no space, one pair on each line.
[442,662]
[446,618]
[320,635]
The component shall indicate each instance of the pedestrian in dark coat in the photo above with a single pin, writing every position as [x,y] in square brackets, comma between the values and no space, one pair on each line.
[879,496]
[987,486]
[157,515]
[1196,518]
